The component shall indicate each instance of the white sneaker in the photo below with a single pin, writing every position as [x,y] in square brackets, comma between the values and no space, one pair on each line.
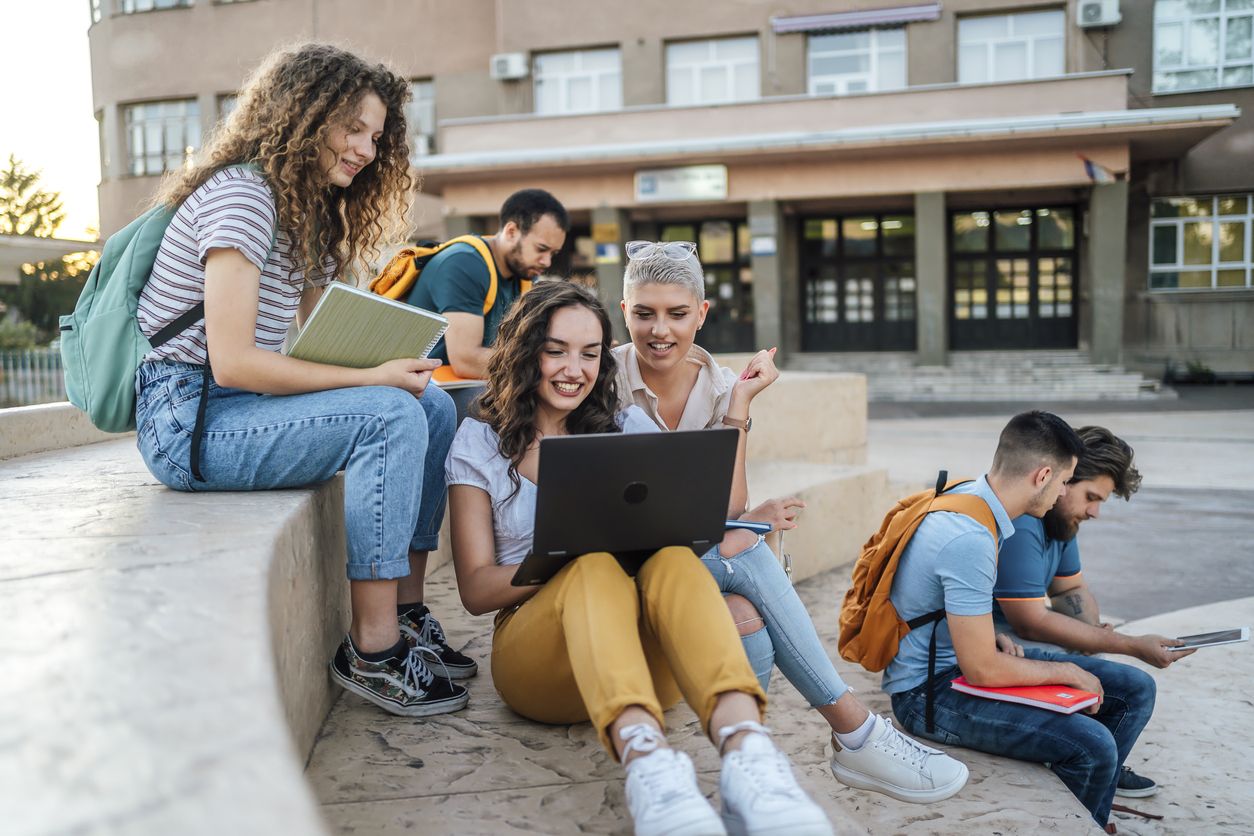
[760,794]
[662,791]
[899,766]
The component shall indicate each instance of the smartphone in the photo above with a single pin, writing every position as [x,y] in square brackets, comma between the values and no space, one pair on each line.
[755,527]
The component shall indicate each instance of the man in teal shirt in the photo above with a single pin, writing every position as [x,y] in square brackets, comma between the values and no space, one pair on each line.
[456,282]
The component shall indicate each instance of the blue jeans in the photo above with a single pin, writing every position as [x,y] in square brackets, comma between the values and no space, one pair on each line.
[1084,750]
[756,574]
[390,445]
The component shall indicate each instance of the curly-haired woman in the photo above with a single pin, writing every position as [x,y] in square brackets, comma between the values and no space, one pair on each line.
[595,643]
[306,178]
[681,386]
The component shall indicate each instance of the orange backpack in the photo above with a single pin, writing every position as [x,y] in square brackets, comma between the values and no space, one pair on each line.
[398,277]
[870,628]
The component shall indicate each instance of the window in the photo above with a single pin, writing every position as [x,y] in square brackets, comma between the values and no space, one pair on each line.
[709,72]
[857,62]
[1203,44]
[130,7]
[578,81]
[226,105]
[96,11]
[161,136]
[420,118]
[1010,47]
[1200,243]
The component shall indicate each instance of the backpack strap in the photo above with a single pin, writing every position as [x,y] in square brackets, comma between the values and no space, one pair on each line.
[976,508]
[482,247]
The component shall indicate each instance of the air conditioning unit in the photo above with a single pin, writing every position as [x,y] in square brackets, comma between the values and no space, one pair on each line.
[507,66]
[1091,14]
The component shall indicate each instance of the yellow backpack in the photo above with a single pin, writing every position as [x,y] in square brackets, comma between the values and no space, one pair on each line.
[398,277]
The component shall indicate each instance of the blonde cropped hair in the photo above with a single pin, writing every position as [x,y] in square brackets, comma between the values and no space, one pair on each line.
[661,269]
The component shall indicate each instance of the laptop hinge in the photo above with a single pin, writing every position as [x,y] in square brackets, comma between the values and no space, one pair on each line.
[556,554]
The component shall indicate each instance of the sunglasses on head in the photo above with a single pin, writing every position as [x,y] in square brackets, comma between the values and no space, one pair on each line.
[674,250]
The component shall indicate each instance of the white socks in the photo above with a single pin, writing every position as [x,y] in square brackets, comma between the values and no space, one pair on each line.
[857,737]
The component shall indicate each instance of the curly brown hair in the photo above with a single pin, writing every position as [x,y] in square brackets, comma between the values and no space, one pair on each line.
[508,404]
[286,111]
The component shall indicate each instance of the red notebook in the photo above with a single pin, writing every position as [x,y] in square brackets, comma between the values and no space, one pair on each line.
[1058,698]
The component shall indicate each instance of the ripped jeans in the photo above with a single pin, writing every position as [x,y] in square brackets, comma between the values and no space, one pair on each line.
[789,639]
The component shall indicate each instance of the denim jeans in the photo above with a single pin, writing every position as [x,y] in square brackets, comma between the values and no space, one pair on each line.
[1084,750]
[390,445]
[756,574]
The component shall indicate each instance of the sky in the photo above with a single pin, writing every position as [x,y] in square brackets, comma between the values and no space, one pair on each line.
[50,125]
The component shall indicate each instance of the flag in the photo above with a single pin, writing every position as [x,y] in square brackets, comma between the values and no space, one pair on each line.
[1097,172]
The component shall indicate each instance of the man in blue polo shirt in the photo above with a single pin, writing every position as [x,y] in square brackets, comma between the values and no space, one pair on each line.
[951,564]
[1041,596]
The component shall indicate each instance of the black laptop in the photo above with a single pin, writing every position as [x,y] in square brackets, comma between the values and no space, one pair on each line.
[629,494]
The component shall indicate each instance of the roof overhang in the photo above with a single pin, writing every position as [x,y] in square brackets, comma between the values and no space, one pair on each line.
[16,250]
[1156,131]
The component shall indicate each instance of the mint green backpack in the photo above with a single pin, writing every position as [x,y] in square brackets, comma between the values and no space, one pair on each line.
[101,344]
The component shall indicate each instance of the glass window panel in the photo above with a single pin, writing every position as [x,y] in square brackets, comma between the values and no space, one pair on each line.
[1014,230]
[1203,42]
[736,49]
[970,232]
[712,84]
[1233,204]
[1197,242]
[892,71]
[579,94]
[1163,281]
[747,82]
[1055,229]
[840,64]
[1194,278]
[1164,246]
[717,242]
[687,52]
[1238,37]
[894,38]
[859,236]
[1238,5]
[1232,241]
[1010,60]
[1047,58]
[1191,80]
[972,64]
[1230,278]
[1198,7]
[548,96]
[983,28]
[1039,23]
[679,89]
[744,249]
[898,234]
[678,232]
[611,92]
[1169,44]
[1234,76]
[597,60]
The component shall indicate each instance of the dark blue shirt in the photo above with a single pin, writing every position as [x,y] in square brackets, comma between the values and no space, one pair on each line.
[457,279]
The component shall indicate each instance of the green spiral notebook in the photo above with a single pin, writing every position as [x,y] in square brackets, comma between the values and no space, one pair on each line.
[359,329]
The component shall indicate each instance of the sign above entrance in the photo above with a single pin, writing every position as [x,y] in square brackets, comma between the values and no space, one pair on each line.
[674,185]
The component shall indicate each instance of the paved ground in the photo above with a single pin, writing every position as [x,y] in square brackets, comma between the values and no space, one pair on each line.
[1185,540]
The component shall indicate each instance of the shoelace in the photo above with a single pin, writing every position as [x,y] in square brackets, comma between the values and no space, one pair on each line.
[639,737]
[415,675]
[661,779]
[431,638]
[770,772]
[909,750]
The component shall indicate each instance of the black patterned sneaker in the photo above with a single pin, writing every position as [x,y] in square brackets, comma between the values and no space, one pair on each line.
[425,635]
[402,685]
[1132,785]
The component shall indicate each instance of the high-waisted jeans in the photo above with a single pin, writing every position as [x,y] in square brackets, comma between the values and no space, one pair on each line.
[791,641]
[390,445]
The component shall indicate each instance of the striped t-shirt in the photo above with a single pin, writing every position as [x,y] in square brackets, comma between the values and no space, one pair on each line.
[234,208]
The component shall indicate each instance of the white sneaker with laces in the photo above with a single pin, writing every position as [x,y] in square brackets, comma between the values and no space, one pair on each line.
[760,794]
[899,766]
[662,791]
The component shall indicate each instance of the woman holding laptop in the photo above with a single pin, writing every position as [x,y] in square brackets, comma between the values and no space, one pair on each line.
[680,386]
[594,643]
[303,180]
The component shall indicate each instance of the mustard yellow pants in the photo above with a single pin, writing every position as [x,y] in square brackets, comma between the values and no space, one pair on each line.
[595,641]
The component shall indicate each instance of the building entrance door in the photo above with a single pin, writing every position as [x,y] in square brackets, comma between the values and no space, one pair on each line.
[1013,278]
[723,247]
[858,283]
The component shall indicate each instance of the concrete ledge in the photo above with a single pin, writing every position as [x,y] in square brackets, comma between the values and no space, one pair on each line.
[51,426]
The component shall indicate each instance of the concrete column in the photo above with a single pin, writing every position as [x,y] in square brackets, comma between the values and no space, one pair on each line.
[1104,270]
[930,268]
[765,225]
[610,230]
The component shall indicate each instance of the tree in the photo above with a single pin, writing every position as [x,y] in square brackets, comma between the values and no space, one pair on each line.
[26,209]
[47,289]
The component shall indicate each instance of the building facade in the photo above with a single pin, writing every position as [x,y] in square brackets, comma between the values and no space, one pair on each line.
[859,175]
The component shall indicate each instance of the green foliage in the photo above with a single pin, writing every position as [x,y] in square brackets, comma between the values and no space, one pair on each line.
[48,289]
[26,209]
[18,336]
